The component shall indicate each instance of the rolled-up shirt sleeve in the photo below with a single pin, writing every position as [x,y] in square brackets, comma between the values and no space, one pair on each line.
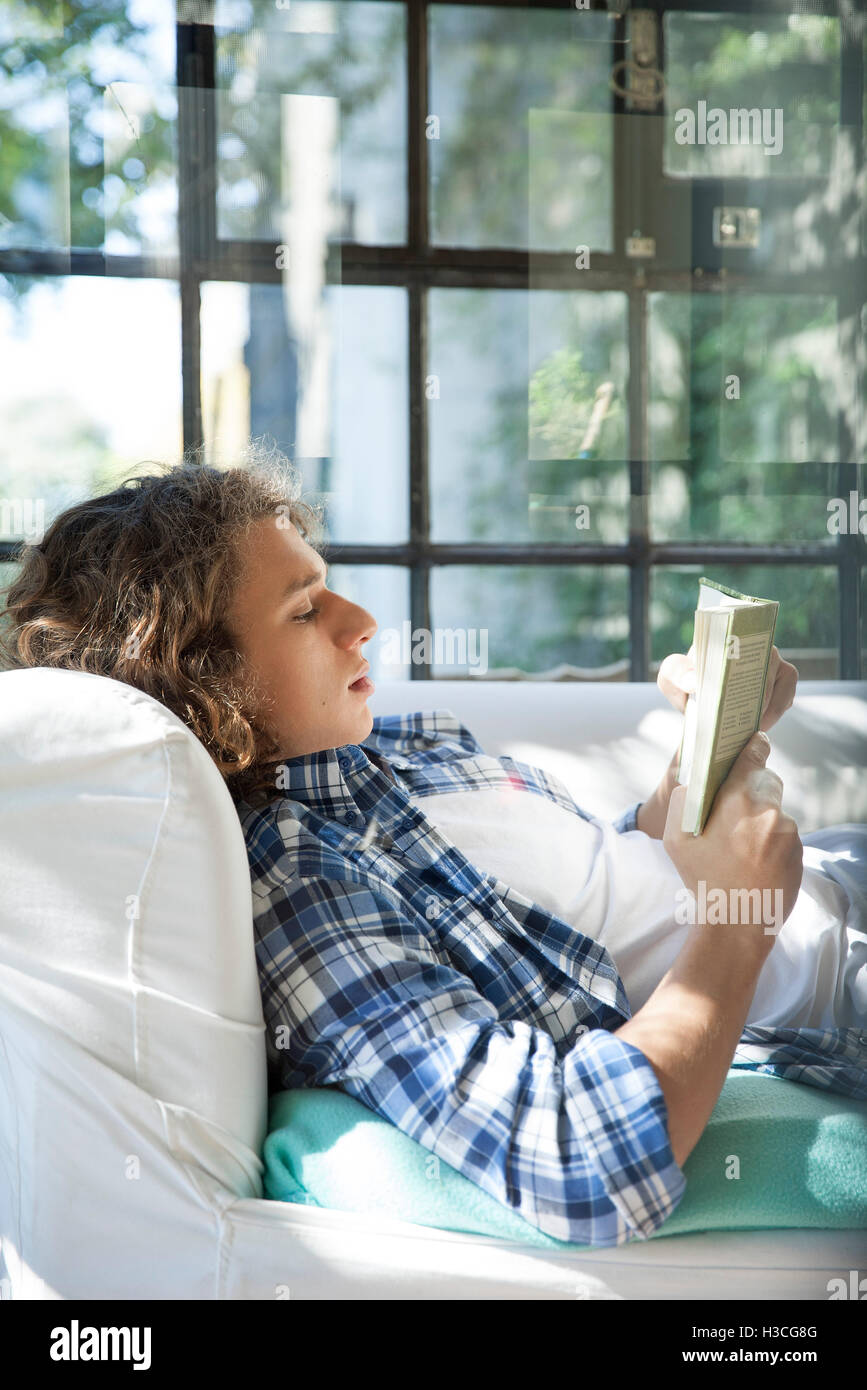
[357,994]
[629,819]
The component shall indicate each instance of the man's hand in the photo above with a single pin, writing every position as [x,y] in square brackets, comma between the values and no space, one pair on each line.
[676,680]
[748,842]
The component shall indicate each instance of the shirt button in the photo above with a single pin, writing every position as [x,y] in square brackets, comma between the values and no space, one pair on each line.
[344,763]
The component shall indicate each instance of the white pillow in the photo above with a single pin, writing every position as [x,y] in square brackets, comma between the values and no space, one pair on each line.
[127,890]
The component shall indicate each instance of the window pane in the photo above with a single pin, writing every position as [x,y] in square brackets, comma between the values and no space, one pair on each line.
[530,617]
[328,383]
[744,393]
[384,591]
[808,623]
[577,476]
[719,63]
[864,623]
[513,379]
[864,142]
[312,91]
[522,103]
[91,386]
[88,127]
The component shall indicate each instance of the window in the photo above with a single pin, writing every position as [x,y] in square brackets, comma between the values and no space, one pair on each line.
[556,308]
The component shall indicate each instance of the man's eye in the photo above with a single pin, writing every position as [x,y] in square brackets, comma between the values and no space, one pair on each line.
[306,617]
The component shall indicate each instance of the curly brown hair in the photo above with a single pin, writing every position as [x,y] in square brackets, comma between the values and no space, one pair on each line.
[136,585]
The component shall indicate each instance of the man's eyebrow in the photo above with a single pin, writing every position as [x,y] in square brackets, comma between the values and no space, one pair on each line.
[296,585]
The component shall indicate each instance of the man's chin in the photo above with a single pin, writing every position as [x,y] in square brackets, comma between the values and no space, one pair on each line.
[357,729]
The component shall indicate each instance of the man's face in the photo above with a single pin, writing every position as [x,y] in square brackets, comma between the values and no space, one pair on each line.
[305,661]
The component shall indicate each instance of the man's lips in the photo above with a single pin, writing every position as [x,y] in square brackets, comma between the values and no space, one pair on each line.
[361,684]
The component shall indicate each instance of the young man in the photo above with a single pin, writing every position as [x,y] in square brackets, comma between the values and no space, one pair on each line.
[445,935]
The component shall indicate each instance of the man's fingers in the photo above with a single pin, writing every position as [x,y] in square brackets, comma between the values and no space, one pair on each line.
[676,679]
[773,667]
[750,776]
[781,696]
[751,759]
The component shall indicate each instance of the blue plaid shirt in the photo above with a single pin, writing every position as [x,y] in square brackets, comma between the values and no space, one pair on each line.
[482,1027]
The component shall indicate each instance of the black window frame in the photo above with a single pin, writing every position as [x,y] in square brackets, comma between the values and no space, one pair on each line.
[417,266]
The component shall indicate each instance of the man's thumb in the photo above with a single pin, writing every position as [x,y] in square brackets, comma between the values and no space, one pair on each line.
[750,760]
[755,752]
[674,816]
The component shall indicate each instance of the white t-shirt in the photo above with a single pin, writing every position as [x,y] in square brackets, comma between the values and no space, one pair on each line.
[622,890]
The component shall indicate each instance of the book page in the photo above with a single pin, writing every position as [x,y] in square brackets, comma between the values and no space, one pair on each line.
[742,695]
[687,743]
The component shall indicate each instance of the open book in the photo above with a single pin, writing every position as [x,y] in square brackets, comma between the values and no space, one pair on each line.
[734,634]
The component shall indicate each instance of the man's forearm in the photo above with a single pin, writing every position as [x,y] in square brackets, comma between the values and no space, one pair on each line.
[691,1024]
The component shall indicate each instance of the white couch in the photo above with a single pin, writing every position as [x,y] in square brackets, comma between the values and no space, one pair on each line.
[133,1096]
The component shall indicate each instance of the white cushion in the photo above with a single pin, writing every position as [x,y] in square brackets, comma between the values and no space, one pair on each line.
[611,742]
[126,955]
[130,886]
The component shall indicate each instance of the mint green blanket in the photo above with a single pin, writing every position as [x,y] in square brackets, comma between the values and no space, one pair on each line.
[801,1155]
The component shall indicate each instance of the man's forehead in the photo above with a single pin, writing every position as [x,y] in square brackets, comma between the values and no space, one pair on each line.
[272,551]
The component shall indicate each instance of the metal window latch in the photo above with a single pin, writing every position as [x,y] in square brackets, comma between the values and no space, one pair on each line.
[645,84]
[640,247]
[736,226]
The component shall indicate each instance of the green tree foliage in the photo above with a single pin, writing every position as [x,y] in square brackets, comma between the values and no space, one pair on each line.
[57,55]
